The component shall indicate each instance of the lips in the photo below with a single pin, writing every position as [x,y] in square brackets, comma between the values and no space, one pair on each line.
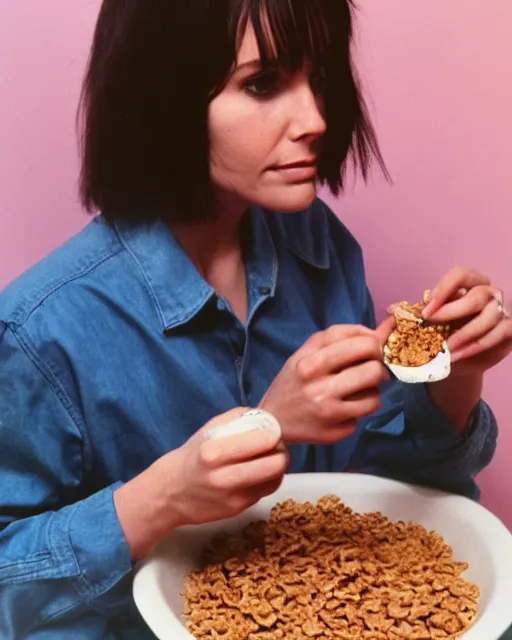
[302,171]
[300,164]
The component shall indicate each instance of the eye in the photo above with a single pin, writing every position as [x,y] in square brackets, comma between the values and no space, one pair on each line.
[263,85]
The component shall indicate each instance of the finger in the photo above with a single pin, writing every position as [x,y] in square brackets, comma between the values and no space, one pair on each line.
[335,333]
[282,447]
[254,494]
[457,278]
[338,356]
[239,501]
[362,404]
[248,474]
[497,337]
[476,328]
[482,361]
[238,448]
[363,377]
[351,408]
[336,432]
[465,307]
[384,330]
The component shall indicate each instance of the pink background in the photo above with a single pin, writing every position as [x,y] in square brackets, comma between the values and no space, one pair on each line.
[440,77]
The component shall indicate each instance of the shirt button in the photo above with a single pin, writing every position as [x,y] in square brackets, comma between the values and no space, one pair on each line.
[265,291]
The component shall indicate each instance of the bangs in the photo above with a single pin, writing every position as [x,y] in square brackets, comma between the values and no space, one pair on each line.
[289,32]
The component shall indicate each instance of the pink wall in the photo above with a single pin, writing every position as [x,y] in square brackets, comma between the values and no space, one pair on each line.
[440,74]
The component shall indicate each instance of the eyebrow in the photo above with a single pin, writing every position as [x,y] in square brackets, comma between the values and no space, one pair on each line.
[256,63]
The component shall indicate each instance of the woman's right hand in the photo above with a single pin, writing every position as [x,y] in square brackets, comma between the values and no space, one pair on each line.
[205,480]
[216,479]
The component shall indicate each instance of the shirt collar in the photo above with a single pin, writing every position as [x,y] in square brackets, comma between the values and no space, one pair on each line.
[305,233]
[176,287]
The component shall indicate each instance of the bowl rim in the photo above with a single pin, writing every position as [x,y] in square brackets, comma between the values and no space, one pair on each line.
[146,593]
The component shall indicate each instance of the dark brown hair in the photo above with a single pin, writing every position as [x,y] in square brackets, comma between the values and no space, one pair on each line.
[153,68]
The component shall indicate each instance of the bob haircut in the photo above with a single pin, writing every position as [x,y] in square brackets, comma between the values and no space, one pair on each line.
[155,65]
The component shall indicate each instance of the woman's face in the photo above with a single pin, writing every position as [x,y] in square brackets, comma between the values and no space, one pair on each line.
[265,129]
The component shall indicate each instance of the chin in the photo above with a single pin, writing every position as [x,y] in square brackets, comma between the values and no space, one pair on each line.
[290,199]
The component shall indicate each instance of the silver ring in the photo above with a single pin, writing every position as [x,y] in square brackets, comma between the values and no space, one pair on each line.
[501,309]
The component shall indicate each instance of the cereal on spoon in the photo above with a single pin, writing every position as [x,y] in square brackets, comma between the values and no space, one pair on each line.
[416,351]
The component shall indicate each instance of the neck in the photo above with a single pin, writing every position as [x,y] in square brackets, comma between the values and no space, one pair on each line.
[216,252]
[209,242]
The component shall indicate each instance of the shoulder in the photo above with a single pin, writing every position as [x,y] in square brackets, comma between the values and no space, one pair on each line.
[80,256]
[316,235]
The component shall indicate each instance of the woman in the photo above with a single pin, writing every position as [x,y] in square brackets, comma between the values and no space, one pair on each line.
[212,281]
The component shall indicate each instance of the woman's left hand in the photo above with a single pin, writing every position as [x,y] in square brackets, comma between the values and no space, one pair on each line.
[483,326]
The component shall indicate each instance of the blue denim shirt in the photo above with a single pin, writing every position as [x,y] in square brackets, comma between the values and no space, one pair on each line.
[114,351]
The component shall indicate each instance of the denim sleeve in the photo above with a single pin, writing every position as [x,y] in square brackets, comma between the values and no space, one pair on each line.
[61,554]
[409,439]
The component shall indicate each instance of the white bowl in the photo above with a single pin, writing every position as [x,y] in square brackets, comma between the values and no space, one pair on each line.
[475,534]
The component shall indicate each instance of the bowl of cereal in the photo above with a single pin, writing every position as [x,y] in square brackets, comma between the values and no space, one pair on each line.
[345,556]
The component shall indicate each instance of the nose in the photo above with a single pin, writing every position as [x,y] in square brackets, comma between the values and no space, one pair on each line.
[307,120]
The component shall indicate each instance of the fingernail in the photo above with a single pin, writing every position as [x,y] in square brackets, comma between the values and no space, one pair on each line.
[427,310]
[455,356]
